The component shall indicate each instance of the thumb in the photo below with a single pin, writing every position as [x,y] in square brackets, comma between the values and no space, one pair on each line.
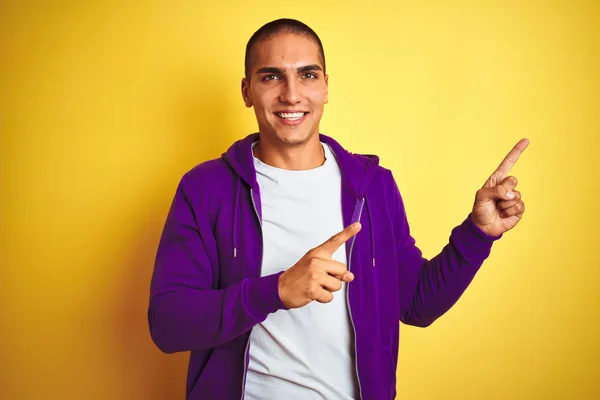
[347,277]
[498,192]
[510,182]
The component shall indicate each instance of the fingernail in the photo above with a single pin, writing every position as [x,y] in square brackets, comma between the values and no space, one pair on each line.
[510,194]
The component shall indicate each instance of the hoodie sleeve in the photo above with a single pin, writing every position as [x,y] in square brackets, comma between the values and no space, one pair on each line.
[185,312]
[429,288]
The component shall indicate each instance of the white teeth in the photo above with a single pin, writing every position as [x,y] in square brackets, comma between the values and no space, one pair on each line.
[295,115]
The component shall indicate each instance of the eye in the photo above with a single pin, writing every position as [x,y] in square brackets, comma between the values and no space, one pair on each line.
[270,78]
[309,75]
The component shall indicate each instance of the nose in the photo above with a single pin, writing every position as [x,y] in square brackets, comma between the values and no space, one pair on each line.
[290,92]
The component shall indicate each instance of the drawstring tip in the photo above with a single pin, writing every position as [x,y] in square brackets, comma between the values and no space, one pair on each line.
[373,262]
[234,252]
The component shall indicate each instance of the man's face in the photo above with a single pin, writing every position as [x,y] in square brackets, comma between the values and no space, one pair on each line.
[287,88]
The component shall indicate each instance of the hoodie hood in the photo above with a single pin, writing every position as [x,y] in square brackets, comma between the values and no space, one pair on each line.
[357,173]
[357,170]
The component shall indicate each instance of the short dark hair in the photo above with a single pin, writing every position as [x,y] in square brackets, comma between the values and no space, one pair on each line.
[277,27]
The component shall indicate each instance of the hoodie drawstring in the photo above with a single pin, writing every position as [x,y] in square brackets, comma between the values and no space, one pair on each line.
[372,229]
[235,209]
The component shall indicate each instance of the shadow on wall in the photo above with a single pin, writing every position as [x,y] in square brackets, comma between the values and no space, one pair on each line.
[153,375]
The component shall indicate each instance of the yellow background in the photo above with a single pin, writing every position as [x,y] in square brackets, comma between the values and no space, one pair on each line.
[104,105]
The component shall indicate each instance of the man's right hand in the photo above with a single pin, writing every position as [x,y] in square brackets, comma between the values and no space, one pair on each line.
[316,276]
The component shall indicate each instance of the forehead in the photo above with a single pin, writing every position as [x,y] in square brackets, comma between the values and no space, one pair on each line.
[286,51]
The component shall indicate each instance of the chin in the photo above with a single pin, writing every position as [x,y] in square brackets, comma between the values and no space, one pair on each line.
[294,138]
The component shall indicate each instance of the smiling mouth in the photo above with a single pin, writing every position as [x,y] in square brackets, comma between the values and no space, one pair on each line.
[291,116]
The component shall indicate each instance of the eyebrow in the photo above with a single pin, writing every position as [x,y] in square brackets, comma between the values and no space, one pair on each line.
[274,70]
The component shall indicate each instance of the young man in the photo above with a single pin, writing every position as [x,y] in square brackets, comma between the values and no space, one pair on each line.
[286,265]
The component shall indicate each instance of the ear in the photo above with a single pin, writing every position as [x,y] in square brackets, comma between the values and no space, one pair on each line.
[326,89]
[246,92]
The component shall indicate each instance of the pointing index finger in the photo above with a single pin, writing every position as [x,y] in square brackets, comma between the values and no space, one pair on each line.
[334,242]
[511,158]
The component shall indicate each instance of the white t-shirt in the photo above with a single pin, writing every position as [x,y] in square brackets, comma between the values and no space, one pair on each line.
[304,353]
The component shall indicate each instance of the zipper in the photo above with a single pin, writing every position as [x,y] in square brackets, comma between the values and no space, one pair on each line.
[247,351]
[362,202]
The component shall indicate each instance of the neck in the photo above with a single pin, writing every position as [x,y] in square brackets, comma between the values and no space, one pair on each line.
[308,155]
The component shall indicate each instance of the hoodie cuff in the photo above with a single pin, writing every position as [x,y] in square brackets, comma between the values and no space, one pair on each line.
[471,242]
[261,296]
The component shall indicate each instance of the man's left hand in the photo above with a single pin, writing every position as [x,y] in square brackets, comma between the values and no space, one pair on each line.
[498,206]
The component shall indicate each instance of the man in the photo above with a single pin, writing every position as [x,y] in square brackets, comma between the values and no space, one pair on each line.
[286,265]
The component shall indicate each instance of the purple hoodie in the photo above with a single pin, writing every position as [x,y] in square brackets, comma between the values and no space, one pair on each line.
[207,293]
